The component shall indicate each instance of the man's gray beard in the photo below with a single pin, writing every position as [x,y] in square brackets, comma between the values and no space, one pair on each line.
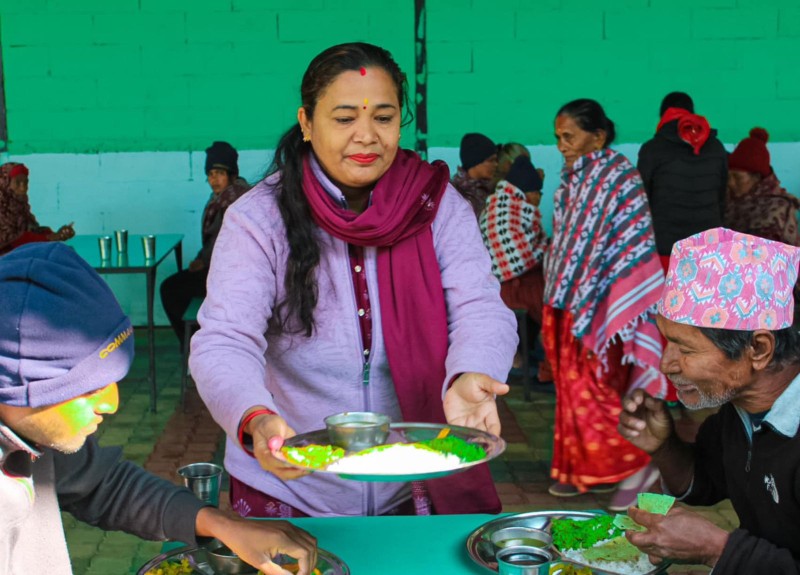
[708,401]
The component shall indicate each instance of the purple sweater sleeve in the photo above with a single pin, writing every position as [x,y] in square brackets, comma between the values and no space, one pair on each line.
[227,358]
[482,330]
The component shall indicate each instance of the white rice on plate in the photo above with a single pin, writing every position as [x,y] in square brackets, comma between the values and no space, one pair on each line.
[396,459]
[639,567]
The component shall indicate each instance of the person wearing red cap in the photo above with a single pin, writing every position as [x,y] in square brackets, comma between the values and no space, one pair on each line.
[757,203]
[18,225]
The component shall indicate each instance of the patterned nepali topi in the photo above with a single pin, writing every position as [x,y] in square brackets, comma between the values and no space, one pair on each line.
[728,280]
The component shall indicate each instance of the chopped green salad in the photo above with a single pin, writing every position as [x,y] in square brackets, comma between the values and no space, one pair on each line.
[583,533]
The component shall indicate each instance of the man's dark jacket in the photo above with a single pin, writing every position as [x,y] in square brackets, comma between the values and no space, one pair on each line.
[686,191]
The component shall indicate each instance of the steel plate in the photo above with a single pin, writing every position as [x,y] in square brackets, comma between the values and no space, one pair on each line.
[327,563]
[481,550]
[408,433]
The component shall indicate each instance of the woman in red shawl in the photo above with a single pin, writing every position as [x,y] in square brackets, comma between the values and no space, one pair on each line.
[18,225]
[603,279]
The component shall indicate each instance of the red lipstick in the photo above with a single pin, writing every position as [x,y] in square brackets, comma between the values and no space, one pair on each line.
[364,158]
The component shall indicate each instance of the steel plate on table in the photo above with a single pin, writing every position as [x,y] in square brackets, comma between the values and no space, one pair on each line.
[481,550]
[327,563]
[408,433]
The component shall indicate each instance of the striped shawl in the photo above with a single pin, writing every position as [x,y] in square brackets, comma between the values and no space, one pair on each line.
[603,267]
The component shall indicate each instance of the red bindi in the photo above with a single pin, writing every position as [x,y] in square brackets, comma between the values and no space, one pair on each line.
[363,71]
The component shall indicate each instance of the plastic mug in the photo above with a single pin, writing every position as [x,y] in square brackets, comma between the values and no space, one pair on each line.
[149,247]
[204,481]
[105,247]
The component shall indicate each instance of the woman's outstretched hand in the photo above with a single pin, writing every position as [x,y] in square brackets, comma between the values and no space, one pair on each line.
[470,402]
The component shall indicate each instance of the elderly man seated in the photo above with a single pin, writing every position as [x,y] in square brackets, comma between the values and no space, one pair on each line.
[727,314]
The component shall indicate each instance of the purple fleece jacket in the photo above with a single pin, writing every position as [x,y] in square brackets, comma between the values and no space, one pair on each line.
[237,365]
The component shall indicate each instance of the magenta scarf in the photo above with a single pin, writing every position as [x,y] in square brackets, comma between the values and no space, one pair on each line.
[413,312]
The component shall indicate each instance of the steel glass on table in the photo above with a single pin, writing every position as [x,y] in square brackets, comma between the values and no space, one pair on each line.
[134,262]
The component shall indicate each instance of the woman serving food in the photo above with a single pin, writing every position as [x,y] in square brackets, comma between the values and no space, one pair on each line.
[352,278]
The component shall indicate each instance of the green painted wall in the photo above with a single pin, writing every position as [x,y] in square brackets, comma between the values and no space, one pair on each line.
[504,67]
[133,75]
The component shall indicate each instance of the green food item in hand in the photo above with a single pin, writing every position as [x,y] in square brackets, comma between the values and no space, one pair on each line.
[465,451]
[655,503]
[583,533]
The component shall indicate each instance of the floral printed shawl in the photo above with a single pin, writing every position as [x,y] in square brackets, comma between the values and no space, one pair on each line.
[603,267]
[768,211]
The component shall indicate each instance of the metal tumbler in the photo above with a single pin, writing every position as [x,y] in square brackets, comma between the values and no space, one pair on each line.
[204,481]
[149,247]
[122,240]
[105,247]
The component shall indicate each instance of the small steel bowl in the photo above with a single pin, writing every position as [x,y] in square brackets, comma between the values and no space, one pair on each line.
[224,561]
[524,536]
[357,430]
[523,560]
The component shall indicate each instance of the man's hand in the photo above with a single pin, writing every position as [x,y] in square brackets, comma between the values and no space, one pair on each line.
[269,433]
[470,402]
[681,534]
[257,542]
[645,421]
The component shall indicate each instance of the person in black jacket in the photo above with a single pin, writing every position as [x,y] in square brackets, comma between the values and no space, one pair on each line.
[685,172]
[732,342]
[64,343]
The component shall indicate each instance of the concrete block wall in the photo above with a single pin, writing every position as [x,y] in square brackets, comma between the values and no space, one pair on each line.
[112,102]
[505,67]
[132,75]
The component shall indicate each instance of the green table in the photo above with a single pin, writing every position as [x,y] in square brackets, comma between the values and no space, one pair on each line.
[134,262]
[402,545]
[399,545]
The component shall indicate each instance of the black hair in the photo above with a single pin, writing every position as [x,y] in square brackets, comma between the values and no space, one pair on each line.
[590,117]
[295,314]
[676,100]
[733,343]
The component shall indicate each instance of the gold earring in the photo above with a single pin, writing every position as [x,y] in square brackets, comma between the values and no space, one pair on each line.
[306,138]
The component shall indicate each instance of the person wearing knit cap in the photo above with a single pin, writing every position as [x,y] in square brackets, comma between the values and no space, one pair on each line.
[473,178]
[757,203]
[733,343]
[18,225]
[506,154]
[685,172]
[64,345]
[178,290]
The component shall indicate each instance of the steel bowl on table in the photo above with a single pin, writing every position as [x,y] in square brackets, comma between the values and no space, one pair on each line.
[225,562]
